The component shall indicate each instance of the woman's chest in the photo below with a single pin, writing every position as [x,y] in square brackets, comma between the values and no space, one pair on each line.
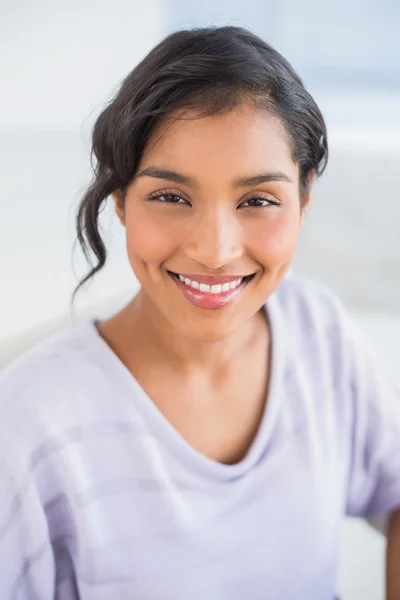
[152,532]
[217,416]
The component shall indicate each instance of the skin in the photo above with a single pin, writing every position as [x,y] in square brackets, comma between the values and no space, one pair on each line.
[213,235]
[392,557]
[194,362]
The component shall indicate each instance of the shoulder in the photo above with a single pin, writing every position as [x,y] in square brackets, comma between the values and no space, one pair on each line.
[43,386]
[308,306]
[319,334]
[320,331]
[47,360]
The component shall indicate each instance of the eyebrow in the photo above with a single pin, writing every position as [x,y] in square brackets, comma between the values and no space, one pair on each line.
[189,181]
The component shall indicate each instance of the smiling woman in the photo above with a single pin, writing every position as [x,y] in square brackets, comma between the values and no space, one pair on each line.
[231,216]
[205,441]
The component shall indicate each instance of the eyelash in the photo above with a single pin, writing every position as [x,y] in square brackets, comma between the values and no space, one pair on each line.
[156,197]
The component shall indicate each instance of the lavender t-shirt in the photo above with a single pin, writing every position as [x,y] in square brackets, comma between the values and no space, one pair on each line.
[102,499]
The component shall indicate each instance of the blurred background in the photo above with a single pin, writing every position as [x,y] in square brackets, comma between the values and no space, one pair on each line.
[60,63]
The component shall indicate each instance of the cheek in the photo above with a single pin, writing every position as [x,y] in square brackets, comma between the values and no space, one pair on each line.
[274,239]
[149,240]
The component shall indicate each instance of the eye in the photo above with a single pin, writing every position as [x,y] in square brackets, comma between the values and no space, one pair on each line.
[259,202]
[167,198]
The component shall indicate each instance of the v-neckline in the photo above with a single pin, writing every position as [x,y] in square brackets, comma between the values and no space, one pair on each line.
[163,430]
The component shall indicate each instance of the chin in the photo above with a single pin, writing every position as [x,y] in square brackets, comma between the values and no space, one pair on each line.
[208,336]
[215,328]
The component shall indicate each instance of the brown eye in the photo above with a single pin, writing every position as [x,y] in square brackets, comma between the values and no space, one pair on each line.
[259,202]
[166,198]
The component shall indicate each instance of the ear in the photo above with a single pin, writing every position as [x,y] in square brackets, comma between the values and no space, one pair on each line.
[306,196]
[119,205]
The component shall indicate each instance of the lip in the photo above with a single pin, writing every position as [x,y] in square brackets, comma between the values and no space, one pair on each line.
[207,300]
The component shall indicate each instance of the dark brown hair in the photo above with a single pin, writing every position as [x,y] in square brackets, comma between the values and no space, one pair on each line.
[211,69]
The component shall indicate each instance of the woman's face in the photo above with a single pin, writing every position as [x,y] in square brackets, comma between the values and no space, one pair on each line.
[212,219]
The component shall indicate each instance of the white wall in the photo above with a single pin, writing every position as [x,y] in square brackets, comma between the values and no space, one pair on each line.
[59,65]
[61,61]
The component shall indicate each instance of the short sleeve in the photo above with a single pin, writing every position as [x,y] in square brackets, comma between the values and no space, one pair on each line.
[374,469]
[26,558]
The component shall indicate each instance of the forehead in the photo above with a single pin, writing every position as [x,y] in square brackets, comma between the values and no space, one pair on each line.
[243,140]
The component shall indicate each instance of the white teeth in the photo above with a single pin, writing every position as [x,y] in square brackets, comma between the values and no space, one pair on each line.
[211,289]
[216,289]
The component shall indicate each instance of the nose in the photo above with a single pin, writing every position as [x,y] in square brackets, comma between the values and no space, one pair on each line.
[215,240]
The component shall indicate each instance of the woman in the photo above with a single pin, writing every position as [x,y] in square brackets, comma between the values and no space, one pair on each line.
[206,441]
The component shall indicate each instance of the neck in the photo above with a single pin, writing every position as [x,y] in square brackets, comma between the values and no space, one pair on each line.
[155,337]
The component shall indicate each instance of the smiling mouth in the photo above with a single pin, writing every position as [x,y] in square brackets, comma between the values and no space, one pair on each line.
[222,284]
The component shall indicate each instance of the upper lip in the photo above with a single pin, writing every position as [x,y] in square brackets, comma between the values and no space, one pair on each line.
[212,279]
